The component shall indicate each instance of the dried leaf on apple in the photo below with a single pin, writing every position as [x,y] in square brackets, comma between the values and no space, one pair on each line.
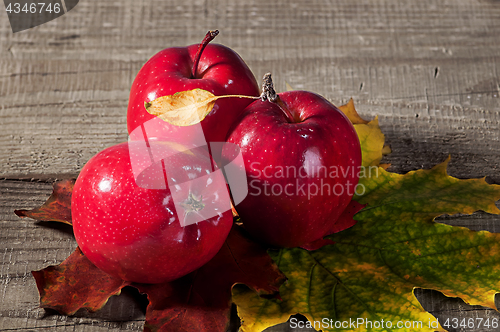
[185,108]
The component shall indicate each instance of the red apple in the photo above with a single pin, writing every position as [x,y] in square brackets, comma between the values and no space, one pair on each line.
[302,157]
[214,68]
[150,221]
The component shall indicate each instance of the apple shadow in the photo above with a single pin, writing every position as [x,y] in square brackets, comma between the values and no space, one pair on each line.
[212,65]
[129,306]
[57,226]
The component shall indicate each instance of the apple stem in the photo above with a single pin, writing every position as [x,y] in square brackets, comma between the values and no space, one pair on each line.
[208,38]
[269,94]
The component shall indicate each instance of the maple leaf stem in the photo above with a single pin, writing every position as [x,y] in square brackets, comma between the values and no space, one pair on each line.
[332,305]
[309,286]
[208,38]
[279,258]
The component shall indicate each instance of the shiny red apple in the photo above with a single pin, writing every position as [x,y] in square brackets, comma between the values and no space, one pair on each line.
[211,67]
[302,157]
[150,221]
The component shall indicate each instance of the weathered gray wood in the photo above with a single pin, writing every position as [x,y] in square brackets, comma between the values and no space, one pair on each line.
[428,69]
[65,84]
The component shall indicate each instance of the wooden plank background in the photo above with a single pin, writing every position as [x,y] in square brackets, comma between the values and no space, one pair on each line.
[428,69]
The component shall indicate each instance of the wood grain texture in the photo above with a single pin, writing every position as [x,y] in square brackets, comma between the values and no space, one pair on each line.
[429,69]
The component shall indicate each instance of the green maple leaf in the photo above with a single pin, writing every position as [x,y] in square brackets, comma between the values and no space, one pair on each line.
[370,273]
